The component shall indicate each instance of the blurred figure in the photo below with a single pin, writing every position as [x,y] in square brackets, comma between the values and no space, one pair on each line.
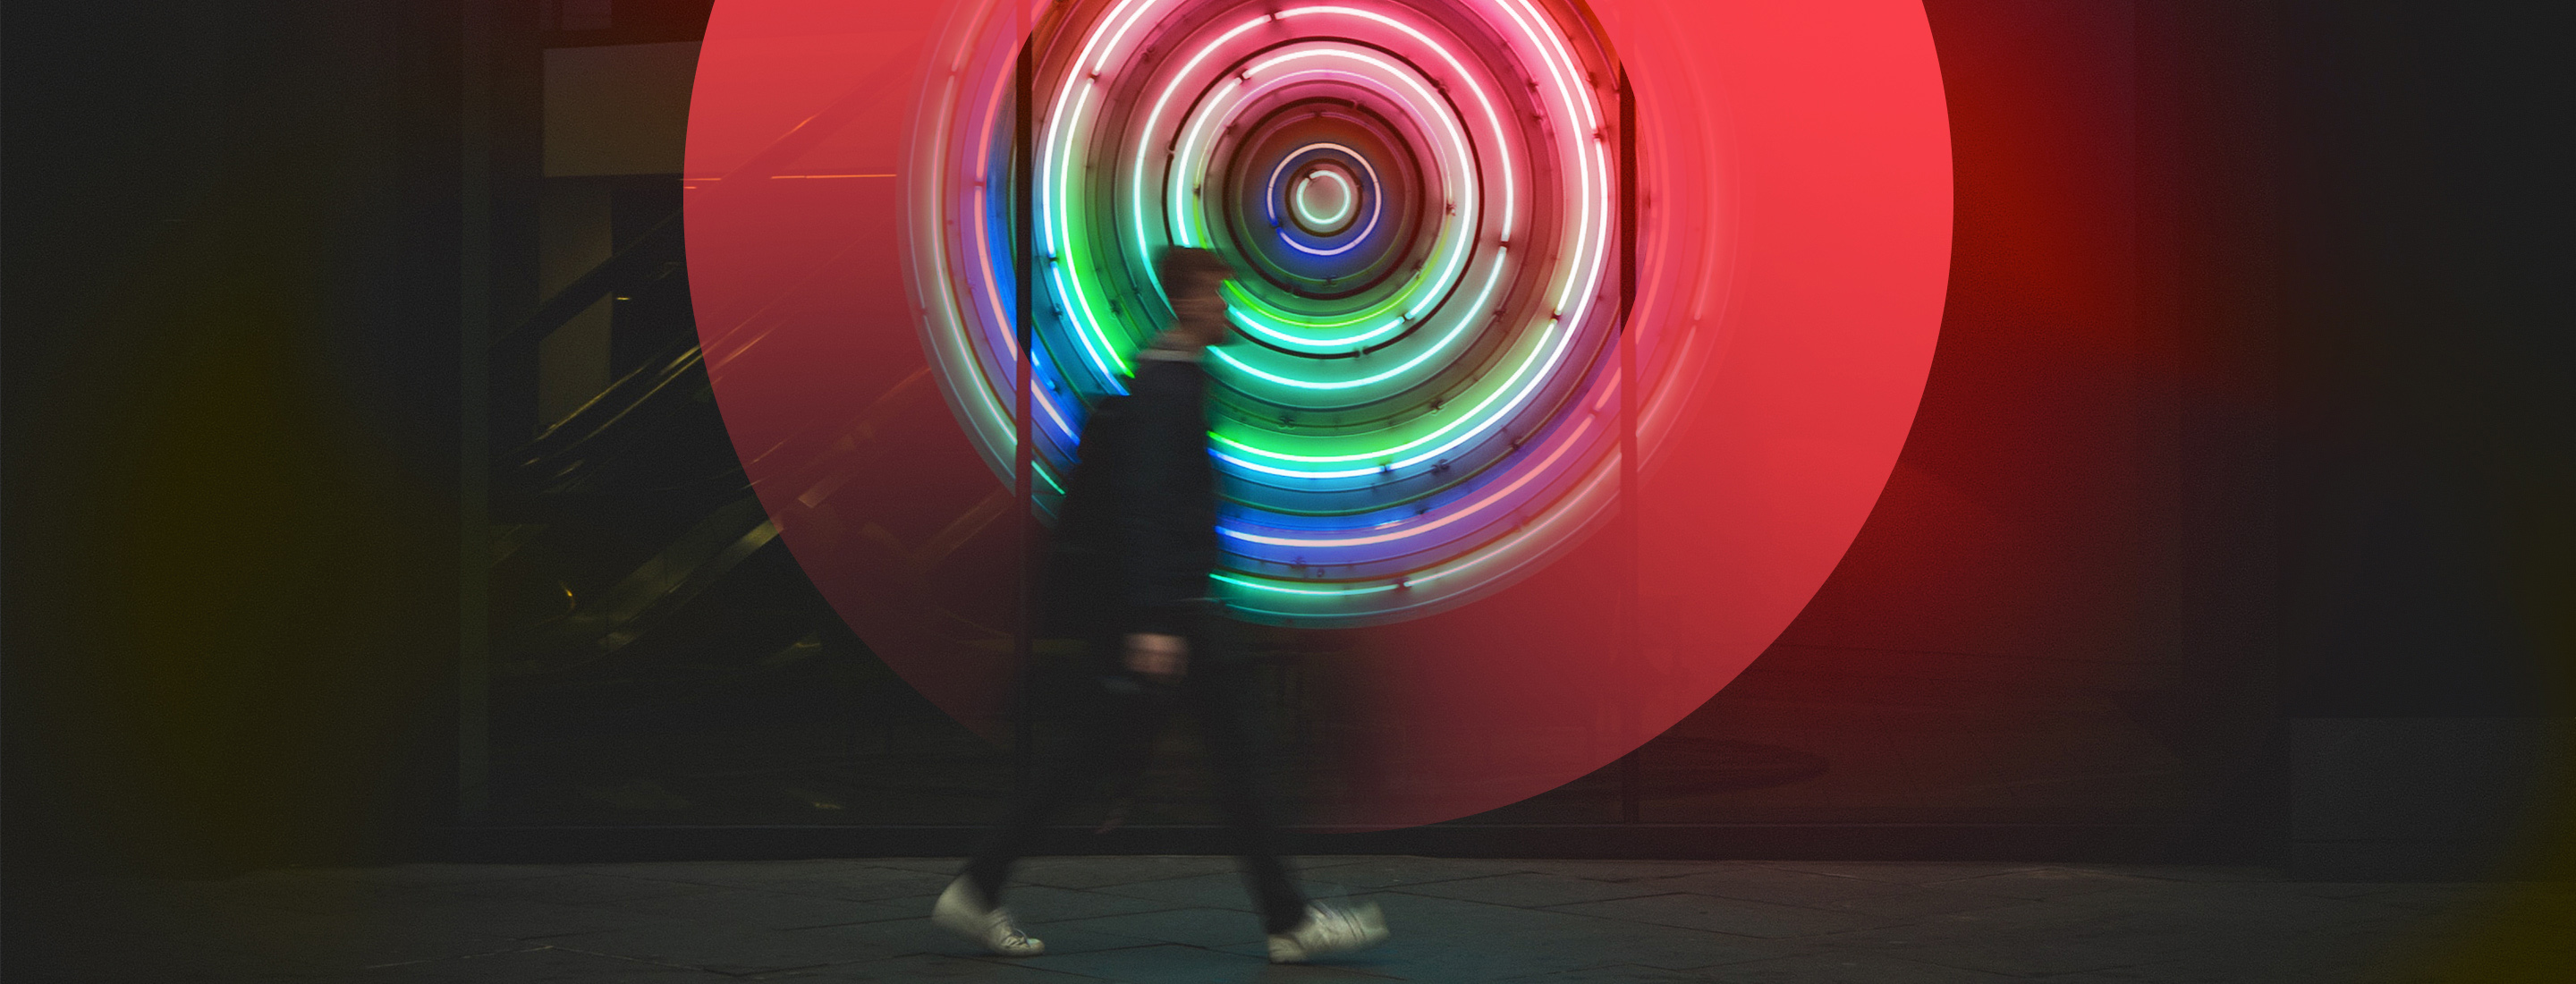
[1135,544]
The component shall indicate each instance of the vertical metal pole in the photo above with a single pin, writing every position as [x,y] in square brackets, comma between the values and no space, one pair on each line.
[1629,506]
[1024,462]
[474,315]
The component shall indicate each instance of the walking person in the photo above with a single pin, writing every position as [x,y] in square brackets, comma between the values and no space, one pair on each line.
[1129,572]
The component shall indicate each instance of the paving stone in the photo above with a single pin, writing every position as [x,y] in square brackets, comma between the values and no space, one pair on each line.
[768,910]
[1904,872]
[821,879]
[2042,883]
[349,945]
[1773,885]
[2194,873]
[1452,936]
[377,933]
[919,935]
[301,891]
[2337,969]
[523,919]
[578,888]
[2033,920]
[2078,947]
[1614,871]
[868,889]
[2480,899]
[1390,872]
[2024,957]
[737,950]
[532,966]
[2390,945]
[1853,968]
[1337,860]
[1402,959]
[2342,890]
[425,873]
[1612,974]
[1047,903]
[1671,948]
[2213,914]
[1157,964]
[1920,904]
[156,961]
[1215,891]
[2273,907]
[929,967]
[732,873]
[1735,916]
[1531,889]
[2172,972]
[934,866]
[1190,927]
[2558,913]
[1063,872]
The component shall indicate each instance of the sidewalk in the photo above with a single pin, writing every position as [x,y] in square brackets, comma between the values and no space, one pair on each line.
[1186,919]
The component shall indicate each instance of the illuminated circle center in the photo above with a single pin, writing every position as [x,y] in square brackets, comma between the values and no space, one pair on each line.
[1324,200]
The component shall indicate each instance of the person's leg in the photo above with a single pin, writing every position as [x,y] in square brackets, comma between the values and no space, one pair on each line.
[1048,787]
[1110,705]
[1226,701]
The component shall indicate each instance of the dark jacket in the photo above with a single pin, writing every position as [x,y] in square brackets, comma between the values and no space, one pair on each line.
[1136,538]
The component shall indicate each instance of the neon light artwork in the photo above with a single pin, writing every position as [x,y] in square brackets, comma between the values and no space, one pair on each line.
[1514,532]
[1422,199]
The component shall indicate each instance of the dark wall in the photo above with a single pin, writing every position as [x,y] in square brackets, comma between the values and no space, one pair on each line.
[2428,448]
[2431,440]
[232,351]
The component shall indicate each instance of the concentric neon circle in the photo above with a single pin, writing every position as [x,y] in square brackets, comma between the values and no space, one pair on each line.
[1422,199]
[1324,199]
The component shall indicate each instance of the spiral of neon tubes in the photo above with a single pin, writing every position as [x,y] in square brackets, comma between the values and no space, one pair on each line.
[1415,414]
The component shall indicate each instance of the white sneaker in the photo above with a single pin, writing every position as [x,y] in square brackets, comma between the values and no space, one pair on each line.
[961,910]
[1329,931]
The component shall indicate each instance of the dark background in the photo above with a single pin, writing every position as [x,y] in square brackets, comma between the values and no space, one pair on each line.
[2235,524]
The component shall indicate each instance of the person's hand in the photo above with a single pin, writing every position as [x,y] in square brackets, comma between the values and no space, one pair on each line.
[1161,657]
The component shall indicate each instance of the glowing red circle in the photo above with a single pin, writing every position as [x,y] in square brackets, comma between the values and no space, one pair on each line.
[1794,170]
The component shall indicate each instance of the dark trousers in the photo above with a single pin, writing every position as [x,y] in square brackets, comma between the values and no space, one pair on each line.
[1113,723]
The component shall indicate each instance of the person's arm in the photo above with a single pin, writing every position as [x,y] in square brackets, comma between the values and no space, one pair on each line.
[1161,579]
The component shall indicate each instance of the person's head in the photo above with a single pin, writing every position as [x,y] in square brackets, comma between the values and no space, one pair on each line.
[1190,277]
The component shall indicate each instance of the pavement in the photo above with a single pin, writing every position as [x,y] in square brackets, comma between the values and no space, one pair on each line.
[1187,919]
